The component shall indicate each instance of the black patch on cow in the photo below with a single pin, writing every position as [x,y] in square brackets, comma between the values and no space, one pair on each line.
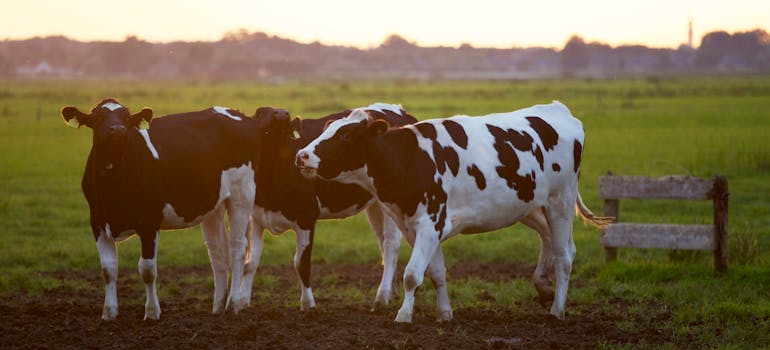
[538,153]
[445,157]
[457,132]
[394,119]
[405,175]
[505,141]
[577,152]
[474,171]
[436,200]
[556,167]
[440,221]
[427,130]
[545,131]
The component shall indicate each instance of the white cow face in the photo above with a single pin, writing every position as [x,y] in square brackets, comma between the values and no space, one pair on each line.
[341,148]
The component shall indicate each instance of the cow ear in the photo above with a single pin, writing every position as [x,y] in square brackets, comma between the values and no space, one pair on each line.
[296,126]
[377,127]
[142,118]
[75,118]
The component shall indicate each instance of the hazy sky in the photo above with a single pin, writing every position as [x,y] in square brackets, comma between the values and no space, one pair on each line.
[483,23]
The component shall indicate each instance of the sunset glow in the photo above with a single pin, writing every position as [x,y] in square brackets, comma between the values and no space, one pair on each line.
[482,23]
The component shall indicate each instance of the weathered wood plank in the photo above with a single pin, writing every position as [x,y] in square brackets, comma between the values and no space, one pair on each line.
[668,236]
[611,209]
[720,223]
[667,187]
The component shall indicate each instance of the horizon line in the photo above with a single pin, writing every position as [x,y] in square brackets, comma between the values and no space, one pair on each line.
[372,44]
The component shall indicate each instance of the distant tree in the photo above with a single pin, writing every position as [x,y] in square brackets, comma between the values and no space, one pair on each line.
[395,41]
[575,54]
[241,34]
[747,47]
[466,47]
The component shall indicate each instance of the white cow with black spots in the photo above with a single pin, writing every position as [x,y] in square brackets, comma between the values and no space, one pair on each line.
[442,177]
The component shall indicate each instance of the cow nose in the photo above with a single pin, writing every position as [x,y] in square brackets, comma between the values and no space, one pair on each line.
[116,130]
[302,156]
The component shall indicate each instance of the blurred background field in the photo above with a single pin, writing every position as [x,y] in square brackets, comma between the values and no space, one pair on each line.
[699,126]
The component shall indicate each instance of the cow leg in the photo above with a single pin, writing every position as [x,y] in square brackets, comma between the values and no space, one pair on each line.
[302,257]
[108,256]
[252,260]
[389,238]
[216,242]
[148,269]
[239,221]
[560,214]
[425,245]
[544,270]
[437,273]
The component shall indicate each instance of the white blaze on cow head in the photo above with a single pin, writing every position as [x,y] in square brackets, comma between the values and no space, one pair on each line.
[341,149]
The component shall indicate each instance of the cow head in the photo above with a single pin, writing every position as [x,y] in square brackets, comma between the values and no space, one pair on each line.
[109,120]
[341,149]
[276,126]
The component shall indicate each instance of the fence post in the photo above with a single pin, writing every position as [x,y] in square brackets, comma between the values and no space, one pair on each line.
[611,209]
[720,196]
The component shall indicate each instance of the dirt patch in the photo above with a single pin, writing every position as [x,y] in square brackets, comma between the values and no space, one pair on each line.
[62,318]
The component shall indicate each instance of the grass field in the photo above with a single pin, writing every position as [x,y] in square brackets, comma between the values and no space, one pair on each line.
[653,127]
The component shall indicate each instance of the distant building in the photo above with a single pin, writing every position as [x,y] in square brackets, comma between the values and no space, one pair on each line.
[44,69]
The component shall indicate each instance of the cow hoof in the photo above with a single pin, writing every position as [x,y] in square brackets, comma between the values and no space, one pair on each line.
[403,317]
[240,306]
[151,315]
[558,314]
[217,310]
[444,316]
[308,310]
[307,305]
[379,308]
[384,298]
[152,311]
[109,313]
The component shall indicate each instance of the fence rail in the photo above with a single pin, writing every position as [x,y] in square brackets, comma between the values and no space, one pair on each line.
[612,188]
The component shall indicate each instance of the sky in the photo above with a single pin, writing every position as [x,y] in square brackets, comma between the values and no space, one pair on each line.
[364,24]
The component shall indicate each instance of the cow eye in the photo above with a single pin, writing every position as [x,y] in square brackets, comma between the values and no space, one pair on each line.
[345,136]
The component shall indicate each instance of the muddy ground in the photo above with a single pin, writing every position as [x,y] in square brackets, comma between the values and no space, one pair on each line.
[62,318]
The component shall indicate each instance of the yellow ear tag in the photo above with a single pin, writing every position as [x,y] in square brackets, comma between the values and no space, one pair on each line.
[295,135]
[144,125]
[74,123]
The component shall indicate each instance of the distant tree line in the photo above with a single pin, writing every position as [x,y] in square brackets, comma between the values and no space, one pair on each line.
[243,55]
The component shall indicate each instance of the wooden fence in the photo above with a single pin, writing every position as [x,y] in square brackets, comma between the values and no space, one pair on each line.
[612,188]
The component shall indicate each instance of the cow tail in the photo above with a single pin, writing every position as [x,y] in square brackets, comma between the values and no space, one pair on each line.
[589,217]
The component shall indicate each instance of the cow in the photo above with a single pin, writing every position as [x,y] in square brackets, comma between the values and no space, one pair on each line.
[187,169]
[443,177]
[286,200]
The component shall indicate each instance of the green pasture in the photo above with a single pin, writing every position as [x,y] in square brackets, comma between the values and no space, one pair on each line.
[653,127]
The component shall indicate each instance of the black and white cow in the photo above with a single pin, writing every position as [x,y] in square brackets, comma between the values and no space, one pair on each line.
[187,169]
[442,177]
[287,200]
